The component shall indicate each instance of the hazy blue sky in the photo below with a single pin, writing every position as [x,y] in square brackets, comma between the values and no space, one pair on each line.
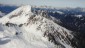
[54,3]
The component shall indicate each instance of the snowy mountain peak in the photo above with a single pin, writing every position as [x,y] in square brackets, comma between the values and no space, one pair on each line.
[18,15]
[26,29]
[26,8]
[20,11]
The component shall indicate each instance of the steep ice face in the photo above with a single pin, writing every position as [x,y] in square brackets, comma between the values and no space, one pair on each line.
[24,29]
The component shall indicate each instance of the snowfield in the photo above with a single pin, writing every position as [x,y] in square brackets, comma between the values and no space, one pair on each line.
[25,29]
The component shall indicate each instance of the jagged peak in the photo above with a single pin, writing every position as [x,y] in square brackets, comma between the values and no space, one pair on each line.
[26,8]
[19,13]
[21,10]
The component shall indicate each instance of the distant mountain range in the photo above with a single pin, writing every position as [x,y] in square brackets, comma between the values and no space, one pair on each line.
[6,8]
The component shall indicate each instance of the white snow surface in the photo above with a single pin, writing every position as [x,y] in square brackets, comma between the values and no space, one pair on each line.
[31,33]
[79,16]
[60,12]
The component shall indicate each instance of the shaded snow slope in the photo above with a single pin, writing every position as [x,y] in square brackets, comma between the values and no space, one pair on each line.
[25,29]
[1,14]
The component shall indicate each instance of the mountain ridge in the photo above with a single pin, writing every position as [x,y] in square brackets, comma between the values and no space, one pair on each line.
[31,30]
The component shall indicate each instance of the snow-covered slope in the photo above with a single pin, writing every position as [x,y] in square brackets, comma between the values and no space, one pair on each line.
[60,12]
[25,29]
